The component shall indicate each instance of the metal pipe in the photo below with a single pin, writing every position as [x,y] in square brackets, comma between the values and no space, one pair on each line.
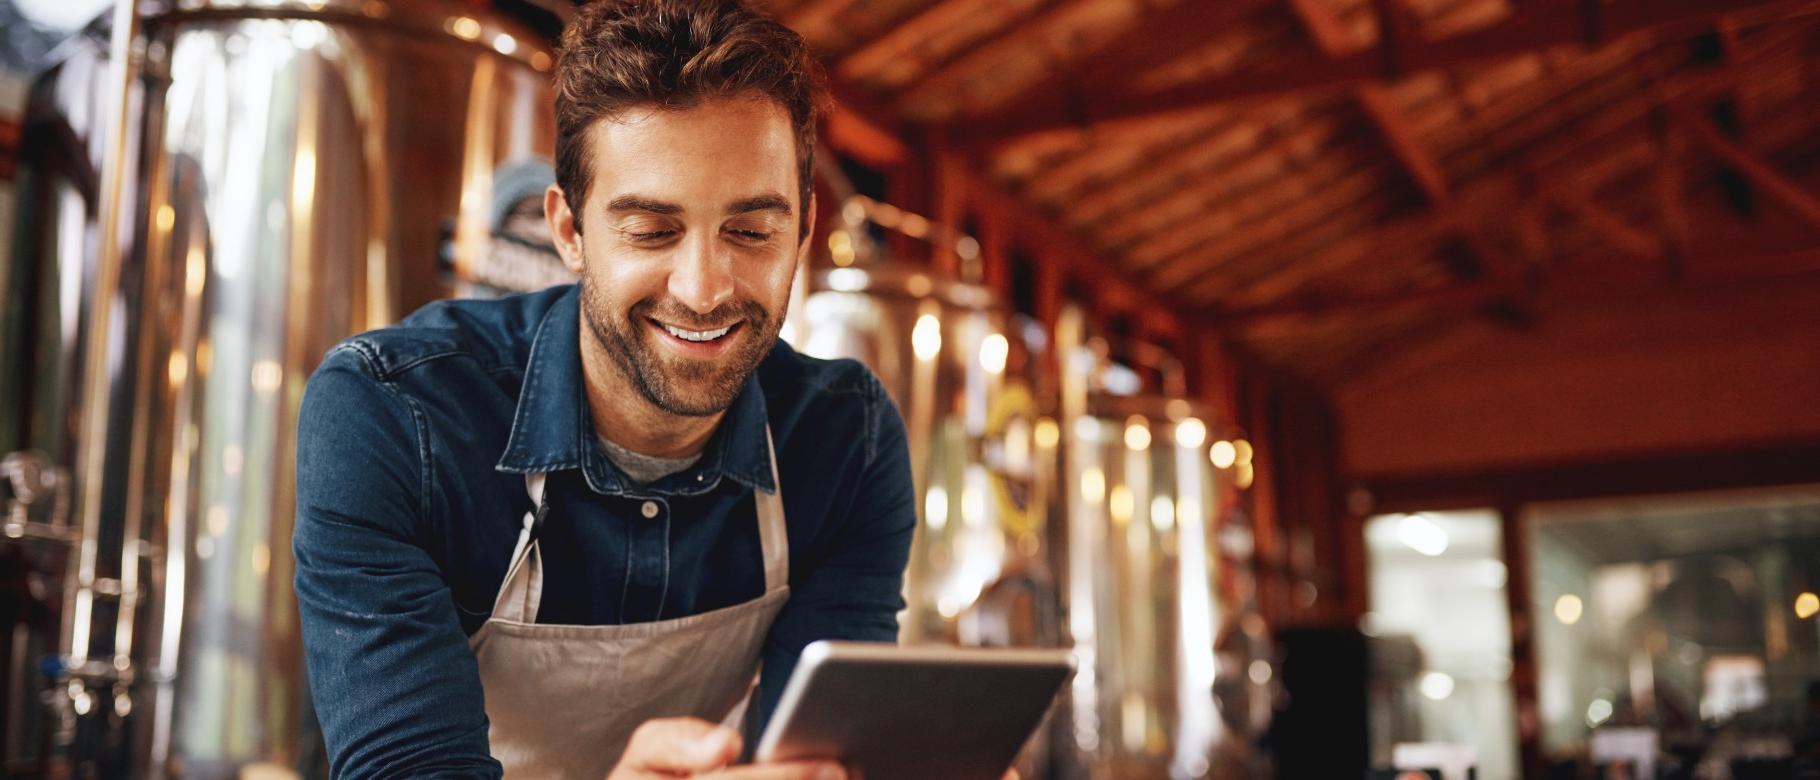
[98,350]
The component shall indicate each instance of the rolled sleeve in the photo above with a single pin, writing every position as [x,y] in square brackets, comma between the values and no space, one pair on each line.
[396,688]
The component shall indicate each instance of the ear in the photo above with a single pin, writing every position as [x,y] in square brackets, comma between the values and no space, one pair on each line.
[563,228]
[803,246]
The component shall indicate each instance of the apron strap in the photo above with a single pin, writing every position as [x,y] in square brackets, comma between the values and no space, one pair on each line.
[773,535]
[522,590]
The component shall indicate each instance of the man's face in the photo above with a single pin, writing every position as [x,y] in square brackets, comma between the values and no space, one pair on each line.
[687,246]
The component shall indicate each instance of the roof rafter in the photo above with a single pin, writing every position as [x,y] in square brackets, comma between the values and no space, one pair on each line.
[1496,190]
[1718,269]
[1804,205]
[1153,39]
[1536,27]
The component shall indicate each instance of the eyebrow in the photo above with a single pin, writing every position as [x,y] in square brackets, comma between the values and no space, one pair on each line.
[636,203]
[767,202]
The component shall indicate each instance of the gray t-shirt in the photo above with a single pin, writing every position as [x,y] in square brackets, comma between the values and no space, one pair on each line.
[645,469]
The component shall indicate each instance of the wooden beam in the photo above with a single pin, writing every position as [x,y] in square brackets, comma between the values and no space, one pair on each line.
[1207,182]
[950,78]
[814,19]
[1613,229]
[855,136]
[1154,38]
[876,134]
[1379,106]
[1765,464]
[1804,205]
[1057,246]
[949,207]
[1415,161]
[1495,193]
[1117,158]
[1393,30]
[1207,161]
[1287,210]
[1709,271]
[903,40]
[1541,27]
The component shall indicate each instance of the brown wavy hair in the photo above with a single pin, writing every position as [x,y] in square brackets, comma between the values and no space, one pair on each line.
[672,54]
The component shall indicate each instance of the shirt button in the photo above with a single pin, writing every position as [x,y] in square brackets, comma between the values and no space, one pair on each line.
[649,509]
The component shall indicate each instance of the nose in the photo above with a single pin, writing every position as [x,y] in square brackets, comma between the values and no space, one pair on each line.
[702,277]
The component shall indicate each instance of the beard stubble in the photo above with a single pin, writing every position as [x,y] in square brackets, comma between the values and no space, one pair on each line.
[680,386]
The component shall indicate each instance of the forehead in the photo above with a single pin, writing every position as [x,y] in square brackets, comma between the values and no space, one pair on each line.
[718,145]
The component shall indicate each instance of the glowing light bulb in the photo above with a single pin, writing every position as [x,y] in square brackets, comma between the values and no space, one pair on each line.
[1122,504]
[1162,513]
[1437,685]
[935,508]
[926,337]
[1093,484]
[1568,609]
[1048,434]
[1137,433]
[993,351]
[1190,433]
[465,27]
[1807,605]
[1223,454]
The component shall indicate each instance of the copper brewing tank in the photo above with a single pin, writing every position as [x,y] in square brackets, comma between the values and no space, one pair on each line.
[293,173]
[964,371]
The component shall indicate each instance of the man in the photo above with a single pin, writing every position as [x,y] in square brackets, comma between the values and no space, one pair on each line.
[547,534]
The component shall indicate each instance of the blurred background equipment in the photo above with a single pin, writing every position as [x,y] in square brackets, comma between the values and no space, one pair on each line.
[289,173]
[1339,379]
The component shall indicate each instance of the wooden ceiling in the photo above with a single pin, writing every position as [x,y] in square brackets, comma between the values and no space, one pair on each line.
[1333,182]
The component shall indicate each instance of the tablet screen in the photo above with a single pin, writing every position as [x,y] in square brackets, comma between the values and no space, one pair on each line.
[913,712]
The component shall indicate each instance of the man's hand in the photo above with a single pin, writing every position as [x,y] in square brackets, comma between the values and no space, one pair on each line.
[668,748]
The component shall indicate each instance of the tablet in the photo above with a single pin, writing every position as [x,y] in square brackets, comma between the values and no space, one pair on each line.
[913,713]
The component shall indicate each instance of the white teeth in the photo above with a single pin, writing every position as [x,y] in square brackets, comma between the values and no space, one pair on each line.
[697,335]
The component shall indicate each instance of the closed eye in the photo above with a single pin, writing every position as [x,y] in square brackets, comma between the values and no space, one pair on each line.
[755,236]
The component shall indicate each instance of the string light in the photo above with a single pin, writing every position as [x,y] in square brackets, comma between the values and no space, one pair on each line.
[926,337]
[1223,454]
[1048,434]
[993,351]
[1137,433]
[1807,605]
[1568,609]
[1190,433]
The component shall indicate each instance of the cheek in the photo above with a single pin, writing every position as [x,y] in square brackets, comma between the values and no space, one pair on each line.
[624,279]
[772,286]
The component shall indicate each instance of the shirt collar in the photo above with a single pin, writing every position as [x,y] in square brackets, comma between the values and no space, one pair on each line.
[553,430]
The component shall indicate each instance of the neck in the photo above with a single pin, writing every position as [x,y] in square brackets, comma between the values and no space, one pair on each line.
[623,415]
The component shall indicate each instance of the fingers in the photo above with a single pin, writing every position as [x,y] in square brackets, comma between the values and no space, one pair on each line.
[1010,774]
[679,746]
[795,770]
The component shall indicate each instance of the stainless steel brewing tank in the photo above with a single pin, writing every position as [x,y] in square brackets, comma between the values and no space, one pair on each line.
[1144,596]
[966,374]
[304,171]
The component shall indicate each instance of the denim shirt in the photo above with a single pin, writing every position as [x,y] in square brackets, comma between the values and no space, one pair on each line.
[412,446]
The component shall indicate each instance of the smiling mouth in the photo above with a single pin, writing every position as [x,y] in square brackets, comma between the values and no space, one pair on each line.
[697,336]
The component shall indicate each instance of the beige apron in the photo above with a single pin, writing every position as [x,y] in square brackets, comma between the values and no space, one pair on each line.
[563,700]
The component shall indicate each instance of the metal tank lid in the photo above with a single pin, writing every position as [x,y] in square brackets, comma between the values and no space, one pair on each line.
[522,30]
[889,280]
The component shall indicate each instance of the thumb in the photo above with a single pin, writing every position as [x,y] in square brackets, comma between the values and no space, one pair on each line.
[679,746]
